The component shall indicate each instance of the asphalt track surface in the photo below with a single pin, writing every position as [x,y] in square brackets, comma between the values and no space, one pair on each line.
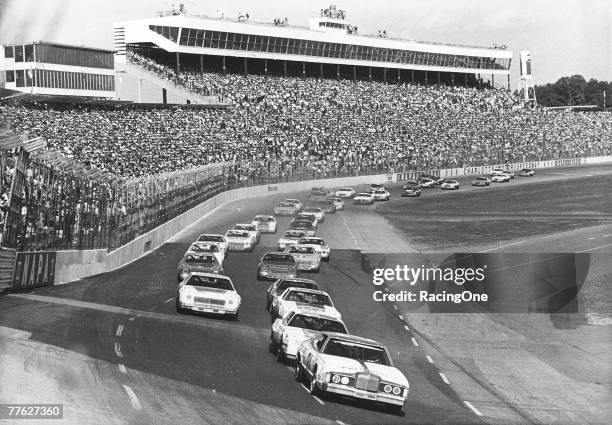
[191,368]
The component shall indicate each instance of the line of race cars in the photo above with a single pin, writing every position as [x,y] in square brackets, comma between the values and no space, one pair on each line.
[306,328]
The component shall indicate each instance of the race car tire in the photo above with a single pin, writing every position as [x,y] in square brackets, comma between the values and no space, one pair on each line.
[259,277]
[395,409]
[280,354]
[272,345]
[298,374]
[326,258]
[179,309]
[312,388]
[234,316]
[316,270]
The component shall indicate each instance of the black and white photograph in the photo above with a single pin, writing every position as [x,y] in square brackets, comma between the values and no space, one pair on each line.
[306,213]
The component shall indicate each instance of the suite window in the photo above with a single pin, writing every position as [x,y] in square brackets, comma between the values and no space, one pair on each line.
[9,76]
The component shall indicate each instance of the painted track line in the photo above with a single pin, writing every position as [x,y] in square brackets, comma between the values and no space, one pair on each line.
[407,328]
[594,249]
[395,307]
[321,402]
[122,369]
[350,231]
[132,396]
[169,300]
[119,330]
[472,408]
[414,342]
[444,378]
[429,359]
[502,246]
[400,317]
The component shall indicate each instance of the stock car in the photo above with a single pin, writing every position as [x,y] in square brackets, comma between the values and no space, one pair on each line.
[274,265]
[351,366]
[499,178]
[217,239]
[312,218]
[376,186]
[510,174]
[251,229]
[318,244]
[345,192]
[290,237]
[305,226]
[279,286]
[306,257]
[381,195]
[198,262]
[481,181]
[338,203]
[436,179]
[450,185]
[426,183]
[526,172]
[208,293]
[298,204]
[411,190]
[210,248]
[315,211]
[302,298]
[286,208]
[287,334]
[318,194]
[363,198]
[239,240]
[328,206]
[265,223]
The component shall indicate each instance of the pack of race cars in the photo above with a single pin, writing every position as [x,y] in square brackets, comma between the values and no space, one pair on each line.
[306,328]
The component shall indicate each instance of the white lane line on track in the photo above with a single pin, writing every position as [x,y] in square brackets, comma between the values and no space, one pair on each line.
[118,350]
[592,239]
[400,317]
[472,408]
[305,388]
[350,231]
[502,246]
[321,402]
[168,300]
[395,307]
[132,396]
[339,422]
[119,330]
[414,341]
[444,378]
[594,249]
[429,359]
[131,319]
[122,369]
[407,328]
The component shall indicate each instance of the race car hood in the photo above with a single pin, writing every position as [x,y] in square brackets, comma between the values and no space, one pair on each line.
[237,239]
[292,305]
[386,373]
[218,293]
[201,268]
[299,334]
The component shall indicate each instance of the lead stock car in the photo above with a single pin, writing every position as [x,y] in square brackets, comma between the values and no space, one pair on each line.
[351,366]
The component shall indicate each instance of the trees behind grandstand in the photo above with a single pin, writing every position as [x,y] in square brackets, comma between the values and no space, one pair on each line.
[574,90]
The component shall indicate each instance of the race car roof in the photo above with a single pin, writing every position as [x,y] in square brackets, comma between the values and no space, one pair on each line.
[352,338]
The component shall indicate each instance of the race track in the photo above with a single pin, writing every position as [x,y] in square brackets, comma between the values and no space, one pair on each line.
[152,365]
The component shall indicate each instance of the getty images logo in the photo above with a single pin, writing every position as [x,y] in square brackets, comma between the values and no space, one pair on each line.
[412,275]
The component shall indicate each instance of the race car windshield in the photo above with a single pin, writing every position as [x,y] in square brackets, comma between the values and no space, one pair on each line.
[210,238]
[309,298]
[318,324]
[204,248]
[306,241]
[244,227]
[201,259]
[301,250]
[315,210]
[295,284]
[286,204]
[278,258]
[238,234]
[293,234]
[359,352]
[210,282]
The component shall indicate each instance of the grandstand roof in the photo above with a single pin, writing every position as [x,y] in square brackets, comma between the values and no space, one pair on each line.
[70,46]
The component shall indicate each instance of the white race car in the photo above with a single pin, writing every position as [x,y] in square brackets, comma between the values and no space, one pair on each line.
[450,185]
[316,211]
[376,186]
[239,240]
[345,192]
[318,244]
[217,239]
[526,172]
[198,262]
[381,195]
[294,298]
[291,237]
[351,366]
[286,208]
[306,257]
[287,334]
[213,248]
[265,223]
[338,202]
[363,198]
[251,228]
[208,293]
[279,286]
[499,178]
[426,183]
[498,171]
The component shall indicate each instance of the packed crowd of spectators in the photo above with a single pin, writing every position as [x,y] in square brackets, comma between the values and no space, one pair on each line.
[286,124]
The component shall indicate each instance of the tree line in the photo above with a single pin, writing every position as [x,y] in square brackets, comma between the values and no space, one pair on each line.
[575,90]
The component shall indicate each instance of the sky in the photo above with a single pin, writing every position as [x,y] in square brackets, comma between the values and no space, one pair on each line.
[565,37]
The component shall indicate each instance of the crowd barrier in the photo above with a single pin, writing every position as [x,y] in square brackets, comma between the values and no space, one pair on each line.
[78,264]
